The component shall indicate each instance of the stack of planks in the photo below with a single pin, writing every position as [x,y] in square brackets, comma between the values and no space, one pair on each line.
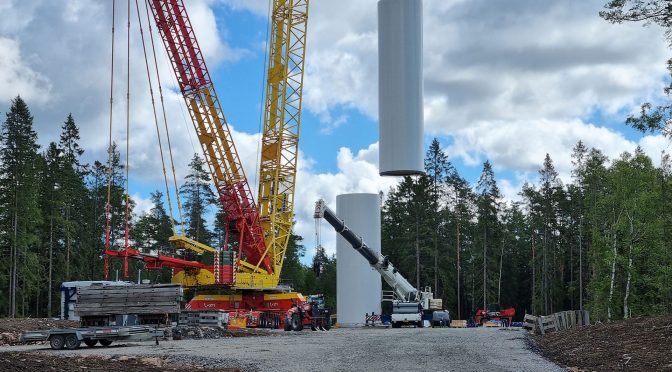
[130,299]
[556,322]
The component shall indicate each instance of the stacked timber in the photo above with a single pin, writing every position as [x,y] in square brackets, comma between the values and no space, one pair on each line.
[133,299]
[556,322]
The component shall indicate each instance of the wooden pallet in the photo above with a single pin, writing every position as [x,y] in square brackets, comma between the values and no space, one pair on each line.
[458,323]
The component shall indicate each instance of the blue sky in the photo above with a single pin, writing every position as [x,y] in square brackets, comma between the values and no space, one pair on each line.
[504,81]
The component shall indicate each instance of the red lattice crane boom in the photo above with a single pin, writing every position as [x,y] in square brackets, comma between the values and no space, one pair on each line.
[212,129]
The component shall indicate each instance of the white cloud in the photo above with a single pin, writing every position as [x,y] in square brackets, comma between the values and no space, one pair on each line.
[142,205]
[17,74]
[357,173]
[509,81]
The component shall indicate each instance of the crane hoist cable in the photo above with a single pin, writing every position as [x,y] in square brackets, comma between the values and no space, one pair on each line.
[262,100]
[165,121]
[106,267]
[128,129]
[156,119]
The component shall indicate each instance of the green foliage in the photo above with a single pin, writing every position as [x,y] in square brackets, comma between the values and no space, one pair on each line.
[649,12]
[602,242]
[198,197]
[20,214]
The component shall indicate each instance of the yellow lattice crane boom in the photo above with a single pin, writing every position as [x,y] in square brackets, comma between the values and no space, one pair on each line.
[258,232]
[282,121]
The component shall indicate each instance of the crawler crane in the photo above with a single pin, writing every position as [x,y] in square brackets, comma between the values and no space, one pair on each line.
[245,276]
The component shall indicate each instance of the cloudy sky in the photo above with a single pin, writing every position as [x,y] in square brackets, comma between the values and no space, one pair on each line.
[507,81]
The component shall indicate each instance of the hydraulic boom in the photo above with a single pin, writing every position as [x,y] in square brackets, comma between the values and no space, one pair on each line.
[403,290]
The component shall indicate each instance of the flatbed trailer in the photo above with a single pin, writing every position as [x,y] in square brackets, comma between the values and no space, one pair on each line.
[71,338]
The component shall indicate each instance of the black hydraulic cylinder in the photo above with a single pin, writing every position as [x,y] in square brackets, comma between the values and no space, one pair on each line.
[351,237]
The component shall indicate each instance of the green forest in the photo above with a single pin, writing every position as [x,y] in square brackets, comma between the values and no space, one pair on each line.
[53,219]
[600,242]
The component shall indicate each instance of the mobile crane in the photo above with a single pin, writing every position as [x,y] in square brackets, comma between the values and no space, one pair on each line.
[245,275]
[409,303]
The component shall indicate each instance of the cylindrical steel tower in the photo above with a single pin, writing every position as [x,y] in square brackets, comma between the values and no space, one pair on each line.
[400,87]
[358,286]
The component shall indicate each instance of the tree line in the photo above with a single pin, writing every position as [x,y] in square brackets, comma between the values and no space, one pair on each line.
[599,242]
[53,219]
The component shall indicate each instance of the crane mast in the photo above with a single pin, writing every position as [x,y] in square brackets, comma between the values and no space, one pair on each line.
[262,230]
[282,121]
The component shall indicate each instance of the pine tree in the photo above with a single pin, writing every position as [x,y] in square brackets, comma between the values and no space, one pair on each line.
[19,197]
[51,205]
[438,169]
[219,229]
[549,188]
[198,198]
[73,189]
[488,204]
[69,143]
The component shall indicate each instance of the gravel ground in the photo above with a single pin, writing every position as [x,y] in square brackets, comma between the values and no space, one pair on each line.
[362,349]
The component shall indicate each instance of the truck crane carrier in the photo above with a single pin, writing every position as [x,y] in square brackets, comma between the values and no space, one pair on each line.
[408,304]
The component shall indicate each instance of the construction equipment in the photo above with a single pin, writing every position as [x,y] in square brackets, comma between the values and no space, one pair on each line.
[245,276]
[114,312]
[493,312]
[312,313]
[408,304]
[71,338]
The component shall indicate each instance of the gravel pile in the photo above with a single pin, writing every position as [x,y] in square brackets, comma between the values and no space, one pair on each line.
[641,344]
[10,329]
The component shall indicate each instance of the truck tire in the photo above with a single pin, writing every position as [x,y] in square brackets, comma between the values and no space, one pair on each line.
[57,342]
[72,342]
[297,324]
[89,342]
[105,342]
[396,325]
[288,324]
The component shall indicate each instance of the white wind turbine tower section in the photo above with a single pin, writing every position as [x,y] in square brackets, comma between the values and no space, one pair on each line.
[400,89]
[358,286]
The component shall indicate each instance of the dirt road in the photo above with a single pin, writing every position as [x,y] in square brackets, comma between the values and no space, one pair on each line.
[364,349]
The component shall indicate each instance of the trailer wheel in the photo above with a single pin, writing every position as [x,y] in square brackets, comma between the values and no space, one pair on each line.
[57,342]
[89,342]
[297,324]
[72,342]
[105,342]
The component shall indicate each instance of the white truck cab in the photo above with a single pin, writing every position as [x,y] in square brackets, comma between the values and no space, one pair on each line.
[406,313]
